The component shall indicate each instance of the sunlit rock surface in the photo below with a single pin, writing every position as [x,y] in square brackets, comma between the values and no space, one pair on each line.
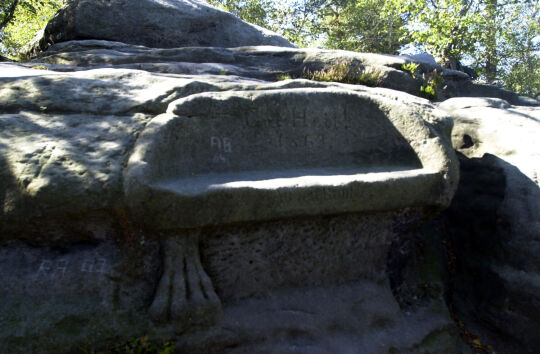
[155,23]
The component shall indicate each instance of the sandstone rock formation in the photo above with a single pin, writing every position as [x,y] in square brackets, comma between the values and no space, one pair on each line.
[494,221]
[178,190]
[278,189]
[259,62]
[156,24]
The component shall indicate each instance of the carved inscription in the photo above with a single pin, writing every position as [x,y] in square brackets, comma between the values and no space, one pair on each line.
[53,268]
[299,118]
[59,268]
[220,146]
[98,265]
[316,195]
[310,132]
[307,142]
[284,135]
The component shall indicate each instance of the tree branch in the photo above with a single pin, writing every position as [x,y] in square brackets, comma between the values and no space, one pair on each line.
[10,14]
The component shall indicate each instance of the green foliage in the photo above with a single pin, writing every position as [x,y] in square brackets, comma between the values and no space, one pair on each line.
[292,19]
[7,11]
[411,68]
[347,72]
[296,20]
[448,28]
[29,18]
[284,77]
[524,77]
[358,25]
[362,25]
[252,11]
[428,92]
[495,35]
[518,48]
[499,37]
[431,82]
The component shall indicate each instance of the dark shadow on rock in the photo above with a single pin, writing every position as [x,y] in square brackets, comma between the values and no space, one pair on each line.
[65,297]
[524,115]
[499,308]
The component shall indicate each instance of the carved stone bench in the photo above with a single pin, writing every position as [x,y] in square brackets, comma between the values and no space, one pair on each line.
[220,161]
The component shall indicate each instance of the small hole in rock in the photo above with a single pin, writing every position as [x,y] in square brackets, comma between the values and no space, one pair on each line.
[467,142]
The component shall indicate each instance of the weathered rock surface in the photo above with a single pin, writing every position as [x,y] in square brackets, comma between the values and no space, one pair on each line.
[248,219]
[78,144]
[260,62]
[176,190]
[494,220]
[156,24]
[66,139]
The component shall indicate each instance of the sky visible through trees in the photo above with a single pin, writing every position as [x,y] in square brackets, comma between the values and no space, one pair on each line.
[499,39]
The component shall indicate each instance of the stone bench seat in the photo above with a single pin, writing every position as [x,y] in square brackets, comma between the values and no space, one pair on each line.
[221,158]
[267,195]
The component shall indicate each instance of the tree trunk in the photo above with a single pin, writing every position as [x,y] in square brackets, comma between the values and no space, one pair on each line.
[491,41]
[390,47]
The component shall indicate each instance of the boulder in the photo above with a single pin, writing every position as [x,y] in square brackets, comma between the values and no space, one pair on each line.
[493,223]
[156,24]
[463,87]
[423,57]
